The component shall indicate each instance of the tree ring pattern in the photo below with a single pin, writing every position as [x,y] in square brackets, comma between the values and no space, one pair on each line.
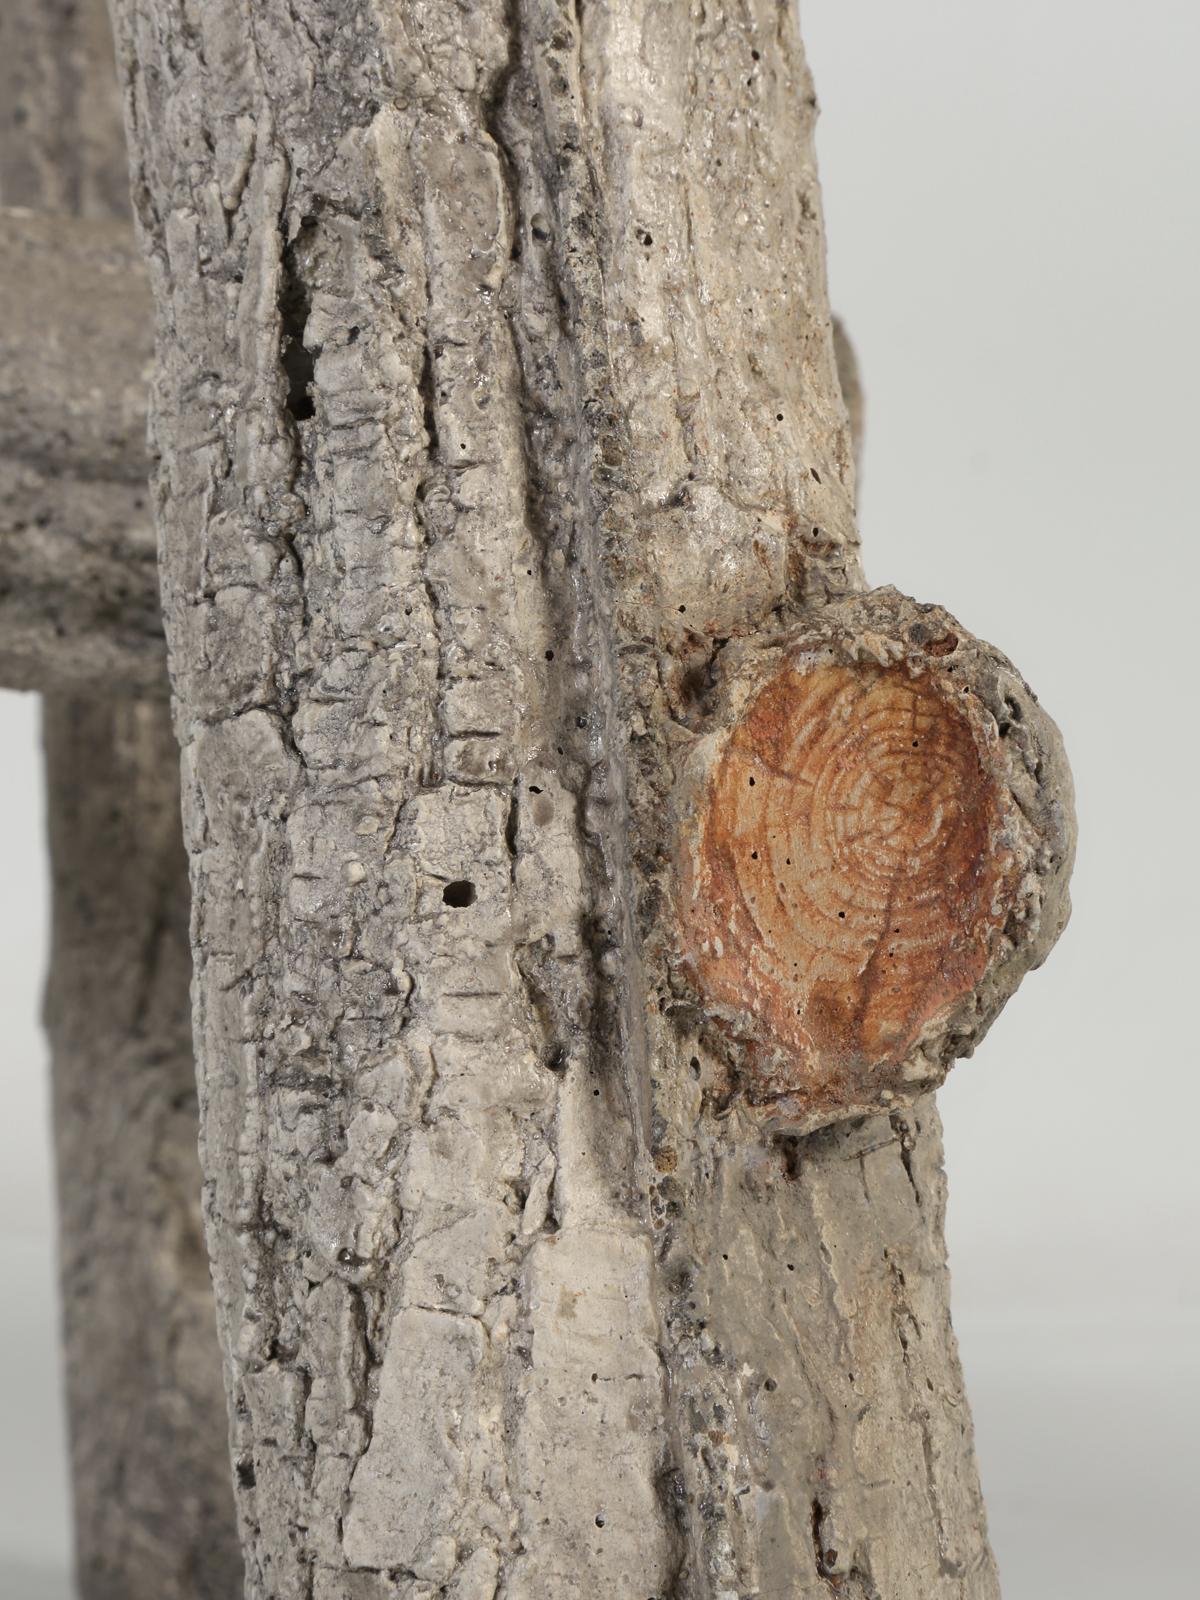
[845,875]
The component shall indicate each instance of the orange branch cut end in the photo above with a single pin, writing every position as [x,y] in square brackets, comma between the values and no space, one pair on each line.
[854,868]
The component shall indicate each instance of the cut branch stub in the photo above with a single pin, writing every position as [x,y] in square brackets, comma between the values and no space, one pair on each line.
[876,844]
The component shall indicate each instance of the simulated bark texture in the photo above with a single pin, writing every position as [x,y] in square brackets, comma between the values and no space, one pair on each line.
[78,572]
[152,1504]
[495,401]
[148,1435]
[875,849]
[62,123]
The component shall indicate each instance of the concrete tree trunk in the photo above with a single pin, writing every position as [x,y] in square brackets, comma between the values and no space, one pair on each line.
[153,1510]
[591,879]
[496,398]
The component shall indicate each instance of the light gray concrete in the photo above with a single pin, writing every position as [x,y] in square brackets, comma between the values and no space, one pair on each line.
[515,1295]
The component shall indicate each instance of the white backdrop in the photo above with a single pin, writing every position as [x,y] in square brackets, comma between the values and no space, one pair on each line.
[1014,214]
[1012,199]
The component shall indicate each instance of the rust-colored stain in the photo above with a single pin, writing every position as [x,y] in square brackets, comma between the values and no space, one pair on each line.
[843,880]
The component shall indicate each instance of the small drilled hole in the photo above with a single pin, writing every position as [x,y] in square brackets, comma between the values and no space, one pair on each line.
[460,893]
